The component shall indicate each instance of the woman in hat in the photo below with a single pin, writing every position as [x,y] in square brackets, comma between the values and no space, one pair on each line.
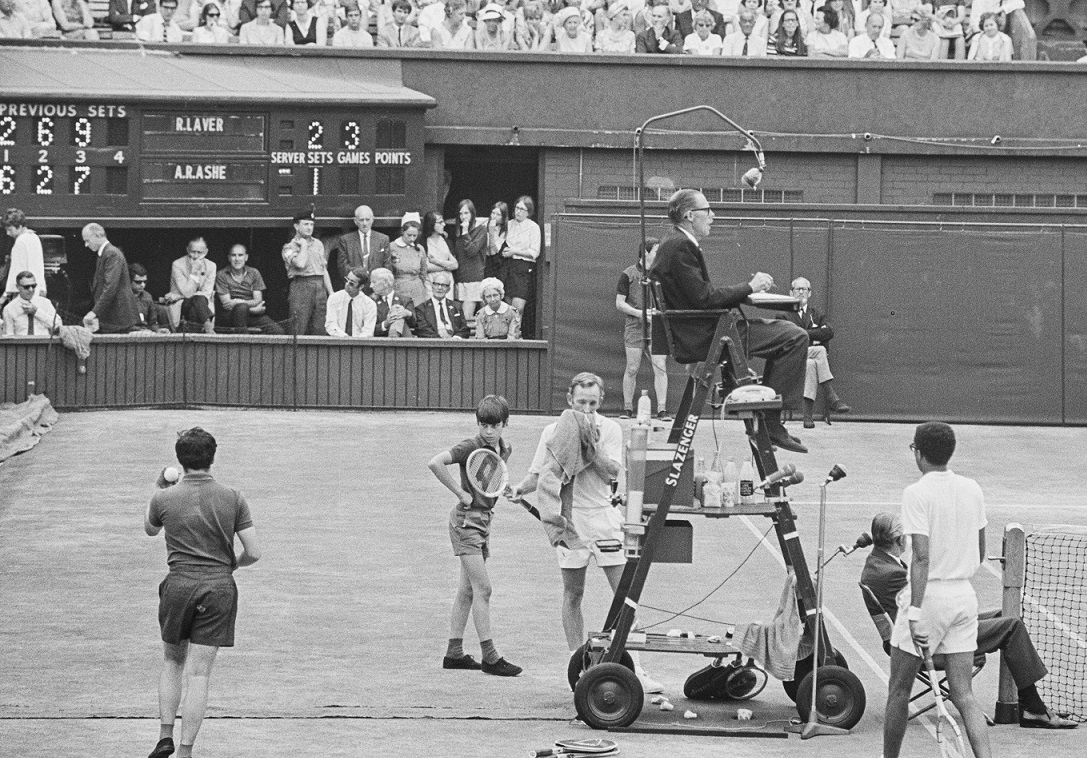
[408,261]
[491,31]
[498,320]
[570,36]
[617,36]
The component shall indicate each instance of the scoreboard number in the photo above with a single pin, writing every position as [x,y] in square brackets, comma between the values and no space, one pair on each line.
[316,135]
[82,134]
[7,130]
[46,134]
[7,180]
[352,135]
[44,180]
[80,174]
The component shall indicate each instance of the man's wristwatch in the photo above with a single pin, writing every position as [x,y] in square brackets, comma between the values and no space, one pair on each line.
[913,614]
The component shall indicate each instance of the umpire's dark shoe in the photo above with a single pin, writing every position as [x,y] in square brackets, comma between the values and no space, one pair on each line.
[501,667]
[464,662]
[163,749]
[788,442]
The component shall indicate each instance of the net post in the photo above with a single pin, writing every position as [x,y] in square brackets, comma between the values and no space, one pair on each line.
[1014,557]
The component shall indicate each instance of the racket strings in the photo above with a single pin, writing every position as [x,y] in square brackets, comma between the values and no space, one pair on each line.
[485,469]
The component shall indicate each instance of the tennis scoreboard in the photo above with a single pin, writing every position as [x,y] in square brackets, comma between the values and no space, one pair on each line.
[70,158]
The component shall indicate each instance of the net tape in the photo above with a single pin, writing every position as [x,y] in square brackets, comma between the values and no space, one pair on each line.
[1055,613]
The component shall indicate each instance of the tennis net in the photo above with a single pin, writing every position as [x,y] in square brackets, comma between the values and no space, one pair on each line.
[1055,613]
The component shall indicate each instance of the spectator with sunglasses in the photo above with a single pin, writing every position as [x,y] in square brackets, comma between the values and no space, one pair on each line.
[29,314]
[211,31]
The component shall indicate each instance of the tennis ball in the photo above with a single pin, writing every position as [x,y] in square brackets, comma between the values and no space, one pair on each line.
[171,474]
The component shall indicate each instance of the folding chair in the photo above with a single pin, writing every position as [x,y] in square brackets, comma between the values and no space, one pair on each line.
[884,625]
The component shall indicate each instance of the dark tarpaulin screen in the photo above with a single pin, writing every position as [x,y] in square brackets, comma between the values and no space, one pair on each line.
[960,325]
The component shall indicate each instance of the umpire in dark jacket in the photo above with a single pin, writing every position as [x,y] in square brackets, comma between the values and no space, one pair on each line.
[681,269]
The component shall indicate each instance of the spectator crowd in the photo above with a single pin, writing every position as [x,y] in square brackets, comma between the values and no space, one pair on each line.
[990,30]
[470,278]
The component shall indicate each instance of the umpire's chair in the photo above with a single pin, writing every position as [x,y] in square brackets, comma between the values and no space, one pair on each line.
[884,625]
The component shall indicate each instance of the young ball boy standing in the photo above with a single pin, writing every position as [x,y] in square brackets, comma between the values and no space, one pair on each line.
[469,531]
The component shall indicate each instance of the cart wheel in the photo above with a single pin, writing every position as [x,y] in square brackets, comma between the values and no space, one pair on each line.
[608,695]
[580,660]
[840,700]
[803,668]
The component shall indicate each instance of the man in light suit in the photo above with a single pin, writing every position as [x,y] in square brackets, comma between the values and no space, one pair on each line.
[681,270]
[441,316]
[349,312]
[192,288]
[395,317]
[114,304]
[819,334]
[356,249]
[400,33]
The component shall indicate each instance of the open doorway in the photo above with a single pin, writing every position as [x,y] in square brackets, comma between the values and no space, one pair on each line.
[486,175]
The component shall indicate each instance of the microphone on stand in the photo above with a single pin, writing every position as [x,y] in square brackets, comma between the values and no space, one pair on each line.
[865,540]
[835,474]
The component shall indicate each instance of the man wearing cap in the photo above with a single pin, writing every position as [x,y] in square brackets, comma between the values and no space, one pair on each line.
[310,285]
[353,35]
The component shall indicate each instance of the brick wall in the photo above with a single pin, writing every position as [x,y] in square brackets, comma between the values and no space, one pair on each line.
[914,180]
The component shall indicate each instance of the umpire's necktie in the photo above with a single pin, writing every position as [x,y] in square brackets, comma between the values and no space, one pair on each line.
[30,324]
[350,328]
[744,51]
[165,37]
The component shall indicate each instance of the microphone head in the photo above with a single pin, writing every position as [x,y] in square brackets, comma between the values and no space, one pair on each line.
[836,473]
[752,177]
[794,478]
[864,540]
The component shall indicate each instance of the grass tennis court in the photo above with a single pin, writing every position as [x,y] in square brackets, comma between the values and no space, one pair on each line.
[343,622]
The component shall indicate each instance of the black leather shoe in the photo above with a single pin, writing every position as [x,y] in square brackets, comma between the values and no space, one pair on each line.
[464,662]
[164,748]
[809,423]
[839,407]
[501,667]
[1049,720]
[786,442]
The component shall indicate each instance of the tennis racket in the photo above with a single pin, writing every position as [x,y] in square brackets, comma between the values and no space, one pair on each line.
[487,473]
[598,748]
[948,735]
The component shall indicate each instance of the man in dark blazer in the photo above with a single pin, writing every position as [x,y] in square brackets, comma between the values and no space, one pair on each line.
[395,316]
[281,12]
[441,316]
[662,37]
[357,248]
[114,304]
[685,19]
[819,334]
[123,14]
[681,270]
[885,574]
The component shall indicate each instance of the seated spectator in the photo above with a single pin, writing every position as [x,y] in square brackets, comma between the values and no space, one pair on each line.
[817,374]
[535,35]
[762,23]
[395,315]
[470,250]
[878,7]
[703,41]
[902,15]
[428,15]
[846,18]
[826,41]
[685,20]
[497,320]
[13,24]
[1011,18]
[211,31]
[74,19]
[39,14]
[661,37]
[29,314]
[351,313]
[441,316]
[240,289]
[992,44]
[407,260]
[261,30]
[789,38]
[160,25]
[453,33]
[279,13]
[873,43]
[305,28]
[570,36]
[192,285]
[399,33]
[746,42]
[354,34]
[807,23]
[948,24]
[151,316]
[919,42]
[491,33]
[617,37]
[123,14]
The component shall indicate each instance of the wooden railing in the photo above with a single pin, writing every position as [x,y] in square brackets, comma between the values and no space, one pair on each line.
[277,372]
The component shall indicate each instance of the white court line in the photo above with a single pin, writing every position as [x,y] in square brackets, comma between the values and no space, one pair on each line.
[827,613]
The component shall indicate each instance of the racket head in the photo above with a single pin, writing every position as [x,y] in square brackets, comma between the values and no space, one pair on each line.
[487,472]
[593,745]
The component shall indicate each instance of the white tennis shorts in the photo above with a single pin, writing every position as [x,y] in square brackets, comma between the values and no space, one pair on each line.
[950,611]
[601,529]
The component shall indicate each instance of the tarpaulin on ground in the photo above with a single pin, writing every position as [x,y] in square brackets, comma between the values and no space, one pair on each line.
[23,424]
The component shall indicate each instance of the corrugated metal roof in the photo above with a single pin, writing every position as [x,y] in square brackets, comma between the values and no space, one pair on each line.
[142,75]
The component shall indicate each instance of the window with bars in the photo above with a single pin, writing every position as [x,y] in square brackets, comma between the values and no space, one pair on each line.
[713,194]
[1008,200]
